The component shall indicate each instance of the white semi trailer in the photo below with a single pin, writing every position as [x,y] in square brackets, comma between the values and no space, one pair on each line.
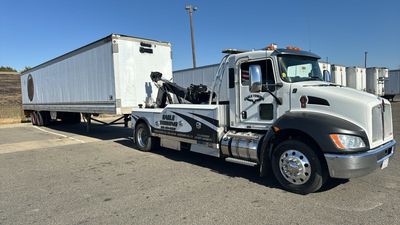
[392,84]
[108,76]
[356,78]
[338,74]
[279,115]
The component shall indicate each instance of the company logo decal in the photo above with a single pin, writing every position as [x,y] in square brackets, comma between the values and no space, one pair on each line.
[168,122]
[254,98]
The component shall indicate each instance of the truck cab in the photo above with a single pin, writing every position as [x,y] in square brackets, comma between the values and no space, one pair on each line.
[280,115]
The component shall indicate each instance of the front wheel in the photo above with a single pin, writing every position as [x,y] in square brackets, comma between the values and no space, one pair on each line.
[297,167]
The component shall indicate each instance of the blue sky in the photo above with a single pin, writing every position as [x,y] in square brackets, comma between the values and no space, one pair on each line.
[32,32]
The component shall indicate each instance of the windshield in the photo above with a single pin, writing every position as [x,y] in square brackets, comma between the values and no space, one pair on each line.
[294,68]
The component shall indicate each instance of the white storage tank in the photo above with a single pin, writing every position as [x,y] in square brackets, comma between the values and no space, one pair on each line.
[356,78]
[392,84]
[384,72]
[375,80]
[338,74]
[324,66]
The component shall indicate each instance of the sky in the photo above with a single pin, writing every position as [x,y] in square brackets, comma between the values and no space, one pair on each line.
[34,31]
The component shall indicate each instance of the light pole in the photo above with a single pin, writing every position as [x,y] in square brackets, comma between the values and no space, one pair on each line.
[190,10]
[365,59]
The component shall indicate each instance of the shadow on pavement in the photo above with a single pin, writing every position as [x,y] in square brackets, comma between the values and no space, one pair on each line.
[216,165]
[97,130]
[222,167]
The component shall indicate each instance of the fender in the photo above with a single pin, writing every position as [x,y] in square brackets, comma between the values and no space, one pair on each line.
[318,126]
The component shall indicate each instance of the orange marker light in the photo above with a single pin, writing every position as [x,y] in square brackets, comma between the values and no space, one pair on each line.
[276,129]
[293,48]
[335,139]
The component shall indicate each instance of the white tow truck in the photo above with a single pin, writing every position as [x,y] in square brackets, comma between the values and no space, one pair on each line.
[275,112]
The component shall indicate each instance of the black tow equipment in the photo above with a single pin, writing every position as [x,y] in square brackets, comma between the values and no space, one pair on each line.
[195,94]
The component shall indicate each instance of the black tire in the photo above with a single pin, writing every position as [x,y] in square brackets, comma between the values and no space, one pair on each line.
[39,117]
[33,118]
[143,139]
[293,154]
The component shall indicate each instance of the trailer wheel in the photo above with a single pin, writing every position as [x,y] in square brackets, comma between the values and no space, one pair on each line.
[143,138]
[297,167]
[33,118]
[39,116]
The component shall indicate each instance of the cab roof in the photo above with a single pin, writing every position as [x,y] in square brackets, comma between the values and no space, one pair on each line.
[276,52]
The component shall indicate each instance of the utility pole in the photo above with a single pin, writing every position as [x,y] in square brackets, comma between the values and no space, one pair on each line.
[190,10]
[365,59]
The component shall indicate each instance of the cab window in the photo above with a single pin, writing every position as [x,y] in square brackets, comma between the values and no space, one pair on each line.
[267,75]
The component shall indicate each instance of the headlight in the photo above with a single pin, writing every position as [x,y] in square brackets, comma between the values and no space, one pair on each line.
[344,141]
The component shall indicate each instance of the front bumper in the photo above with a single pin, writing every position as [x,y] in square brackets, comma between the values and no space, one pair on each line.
[359,164]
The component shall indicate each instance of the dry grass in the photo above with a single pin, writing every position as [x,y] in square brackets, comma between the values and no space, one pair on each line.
[10,99]
[10,111]
[9,121]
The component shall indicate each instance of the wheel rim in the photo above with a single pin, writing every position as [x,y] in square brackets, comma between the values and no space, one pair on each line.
[295,167]
[142,137]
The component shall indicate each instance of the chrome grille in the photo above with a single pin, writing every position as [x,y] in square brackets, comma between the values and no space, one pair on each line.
[388,126]
[377,128]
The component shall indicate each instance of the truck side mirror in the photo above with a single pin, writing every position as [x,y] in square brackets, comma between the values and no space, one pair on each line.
[255,78]
[326,76]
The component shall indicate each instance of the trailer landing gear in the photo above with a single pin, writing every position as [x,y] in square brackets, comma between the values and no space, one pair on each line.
[87,117]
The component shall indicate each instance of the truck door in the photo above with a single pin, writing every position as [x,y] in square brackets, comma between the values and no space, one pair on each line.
[256,107]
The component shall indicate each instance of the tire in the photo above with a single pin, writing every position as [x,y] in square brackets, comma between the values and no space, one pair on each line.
[33,118]
[297,167]
[143,139]
[39,117]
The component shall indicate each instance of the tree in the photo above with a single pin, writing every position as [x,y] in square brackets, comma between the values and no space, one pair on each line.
[7,69]
[25,69]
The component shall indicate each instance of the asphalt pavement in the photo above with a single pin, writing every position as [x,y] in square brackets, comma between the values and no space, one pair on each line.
[63,175]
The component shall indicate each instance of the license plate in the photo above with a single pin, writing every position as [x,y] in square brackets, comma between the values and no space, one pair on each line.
[385,163]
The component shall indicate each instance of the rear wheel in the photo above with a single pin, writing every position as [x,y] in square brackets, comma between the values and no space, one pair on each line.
[39,119]
[33,118]
[143,138]
[297,167]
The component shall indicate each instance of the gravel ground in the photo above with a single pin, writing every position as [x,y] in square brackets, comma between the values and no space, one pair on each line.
[61,175]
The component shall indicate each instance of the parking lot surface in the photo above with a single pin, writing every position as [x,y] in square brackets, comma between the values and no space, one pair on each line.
[63,175]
